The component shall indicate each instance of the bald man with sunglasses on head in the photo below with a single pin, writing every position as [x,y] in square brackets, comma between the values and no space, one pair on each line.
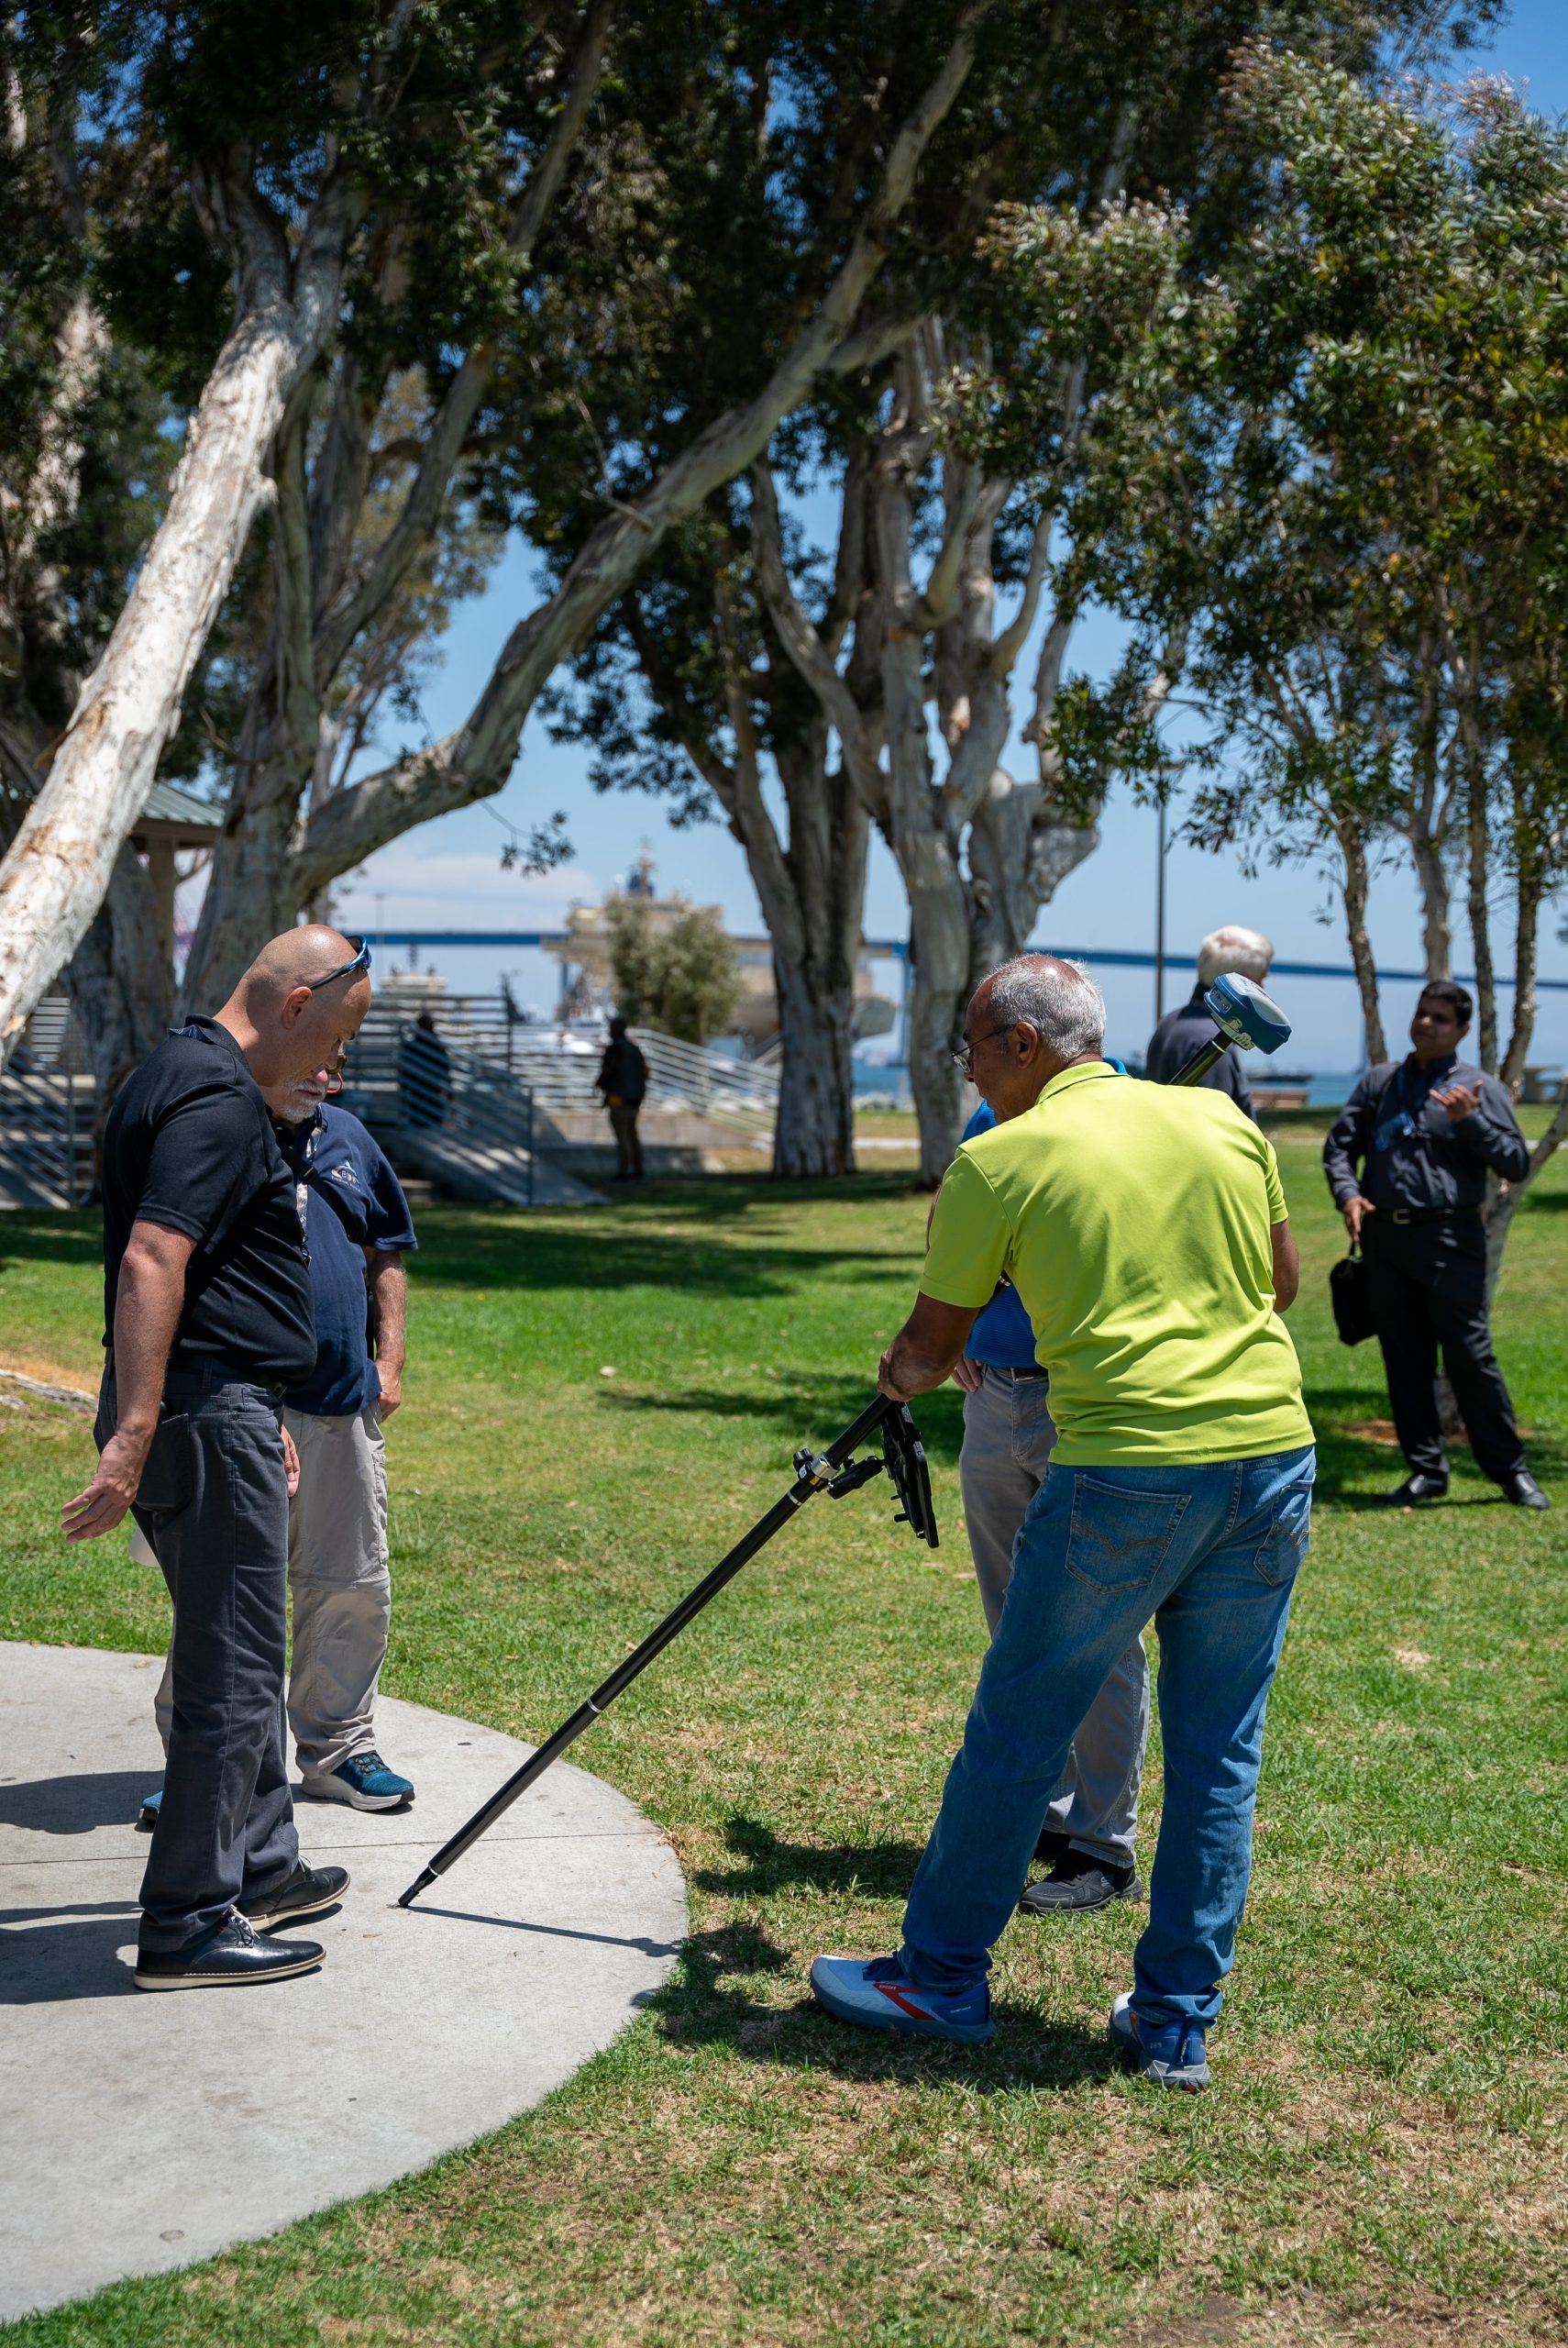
[208,1320]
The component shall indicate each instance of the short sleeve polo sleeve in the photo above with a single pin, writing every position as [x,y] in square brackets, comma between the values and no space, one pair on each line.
[205,1166]
[1278,1210]
[970,1236]
[389,1224]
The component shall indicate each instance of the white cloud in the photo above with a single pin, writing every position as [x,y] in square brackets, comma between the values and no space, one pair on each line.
[456,889]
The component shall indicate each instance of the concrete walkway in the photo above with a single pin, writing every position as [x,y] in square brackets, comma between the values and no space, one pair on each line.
[138,2132]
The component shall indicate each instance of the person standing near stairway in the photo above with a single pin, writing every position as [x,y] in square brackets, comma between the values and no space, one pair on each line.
[357,1228]
[623,1078]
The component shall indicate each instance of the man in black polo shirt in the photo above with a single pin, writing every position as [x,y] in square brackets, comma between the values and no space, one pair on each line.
[208,1318]
[1424,1132]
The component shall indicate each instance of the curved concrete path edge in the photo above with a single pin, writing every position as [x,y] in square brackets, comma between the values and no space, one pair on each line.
[139,2134]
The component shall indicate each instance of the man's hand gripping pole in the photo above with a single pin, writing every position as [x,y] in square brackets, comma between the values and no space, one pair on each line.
[834,1471]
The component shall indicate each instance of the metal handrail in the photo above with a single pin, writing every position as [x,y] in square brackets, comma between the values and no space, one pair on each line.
[401,1075]
[558,1065]
[43,1133]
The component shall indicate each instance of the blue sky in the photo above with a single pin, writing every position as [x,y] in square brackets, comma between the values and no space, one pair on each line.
[447,874]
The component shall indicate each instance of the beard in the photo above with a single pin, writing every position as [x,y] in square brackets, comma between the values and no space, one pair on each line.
[297,1106]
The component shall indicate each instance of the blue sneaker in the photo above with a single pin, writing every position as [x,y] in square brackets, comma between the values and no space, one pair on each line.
[146,1816]
[877,1994]
[1171,2053]
[364,1782]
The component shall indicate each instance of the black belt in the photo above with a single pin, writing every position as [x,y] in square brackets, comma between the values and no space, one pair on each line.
[1004,1369]
[1423,1214]
[206,1374]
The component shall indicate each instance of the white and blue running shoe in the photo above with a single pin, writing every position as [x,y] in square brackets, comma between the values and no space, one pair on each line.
[364,1782]
[877,1994]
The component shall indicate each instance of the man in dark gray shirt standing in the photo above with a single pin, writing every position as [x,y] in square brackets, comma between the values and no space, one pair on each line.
[1406,1161]
[208,1318]
[1180,1033]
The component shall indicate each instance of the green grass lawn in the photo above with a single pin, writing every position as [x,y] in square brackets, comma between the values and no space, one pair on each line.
[1382,2156]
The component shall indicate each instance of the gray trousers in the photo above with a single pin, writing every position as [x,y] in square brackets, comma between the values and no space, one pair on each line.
[342,1587]
[1009,1436]
[213,1507]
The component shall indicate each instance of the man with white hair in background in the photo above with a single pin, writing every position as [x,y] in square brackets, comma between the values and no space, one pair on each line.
[1180,1033]
[1145,1230]
[209,1318]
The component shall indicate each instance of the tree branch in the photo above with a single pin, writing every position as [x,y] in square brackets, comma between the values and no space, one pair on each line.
[804,647]
[477,757]
[356,600]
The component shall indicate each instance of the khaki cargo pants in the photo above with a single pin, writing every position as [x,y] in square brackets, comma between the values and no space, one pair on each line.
[341,1588]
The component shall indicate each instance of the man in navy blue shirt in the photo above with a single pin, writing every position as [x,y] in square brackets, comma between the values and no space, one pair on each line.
[1007,1440]
[356,1229]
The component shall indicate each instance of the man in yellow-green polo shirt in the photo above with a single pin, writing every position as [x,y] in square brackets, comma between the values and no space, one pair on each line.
[1145,1230]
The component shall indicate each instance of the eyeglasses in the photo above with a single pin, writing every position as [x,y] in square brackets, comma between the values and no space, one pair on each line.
[344,970]
[962,1061]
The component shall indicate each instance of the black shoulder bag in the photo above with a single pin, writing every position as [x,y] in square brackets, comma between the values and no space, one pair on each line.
[1347,1279]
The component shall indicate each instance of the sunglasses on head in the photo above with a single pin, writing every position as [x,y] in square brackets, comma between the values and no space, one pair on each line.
[362,961]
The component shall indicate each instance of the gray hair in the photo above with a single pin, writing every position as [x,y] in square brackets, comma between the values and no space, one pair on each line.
[1058,999]
[1247,950]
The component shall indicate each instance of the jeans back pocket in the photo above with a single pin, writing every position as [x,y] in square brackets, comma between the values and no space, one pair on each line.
[1285,1546]
[1120,1536]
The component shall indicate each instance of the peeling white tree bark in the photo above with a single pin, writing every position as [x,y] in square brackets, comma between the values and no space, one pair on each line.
[56,873]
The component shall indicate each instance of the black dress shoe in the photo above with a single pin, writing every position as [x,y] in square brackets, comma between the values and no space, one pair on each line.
[232,1958]
[1416,1487]
[1077,1883]
[1522,1489]
[307,1892]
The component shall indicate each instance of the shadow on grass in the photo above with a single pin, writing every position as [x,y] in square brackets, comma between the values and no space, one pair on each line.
[874,1870]
[820,1407]
[697,2008]
[1355,1472]
[494,1254]
[51,1238]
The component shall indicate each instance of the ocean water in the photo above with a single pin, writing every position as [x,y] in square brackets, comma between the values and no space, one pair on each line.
[1324,1091]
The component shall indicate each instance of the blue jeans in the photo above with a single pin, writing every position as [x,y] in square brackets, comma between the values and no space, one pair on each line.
[1210,1554]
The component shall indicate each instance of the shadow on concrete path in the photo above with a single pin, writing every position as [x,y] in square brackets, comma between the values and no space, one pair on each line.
[75,1805]
[70,1956]
[553,1931]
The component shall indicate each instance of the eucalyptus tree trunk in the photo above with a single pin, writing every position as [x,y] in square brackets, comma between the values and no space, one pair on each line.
[1437,927]
[1527,937]
[1352,850]
[1506,1204]
[1477,862]
[815,926]
[57,869]
[120,980]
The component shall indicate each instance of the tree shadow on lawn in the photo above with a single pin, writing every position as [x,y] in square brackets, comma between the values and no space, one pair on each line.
[872,1870]
[57,1237]
[495,1255]
[819,1406]
[695,2009]
[1355,1471]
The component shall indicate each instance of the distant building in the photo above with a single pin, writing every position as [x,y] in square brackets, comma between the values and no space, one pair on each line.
[588,982]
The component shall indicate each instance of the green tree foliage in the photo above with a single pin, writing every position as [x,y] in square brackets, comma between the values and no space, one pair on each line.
[682,977]
[1343,462]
